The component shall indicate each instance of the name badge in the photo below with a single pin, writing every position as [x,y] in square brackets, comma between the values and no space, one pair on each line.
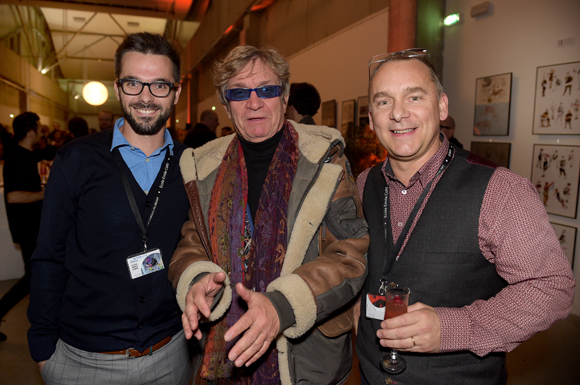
[376,306]
[145,263]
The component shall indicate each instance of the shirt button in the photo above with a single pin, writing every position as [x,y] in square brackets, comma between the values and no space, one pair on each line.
[141,299]
[147,204]
[140,326]
[147,160]
[146,191]
[404,192]
[400,224]
[132,148]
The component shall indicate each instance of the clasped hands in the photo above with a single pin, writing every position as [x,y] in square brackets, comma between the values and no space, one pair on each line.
[259,325]
[418,330]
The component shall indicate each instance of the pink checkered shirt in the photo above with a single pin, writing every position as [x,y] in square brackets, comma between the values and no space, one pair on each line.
[515,235]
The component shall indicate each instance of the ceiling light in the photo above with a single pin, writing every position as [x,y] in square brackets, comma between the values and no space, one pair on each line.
[213,108]
[451,19]
[133,24]
[79,19]
[95,93]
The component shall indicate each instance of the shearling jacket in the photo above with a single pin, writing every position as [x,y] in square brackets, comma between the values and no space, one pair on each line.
[325,263]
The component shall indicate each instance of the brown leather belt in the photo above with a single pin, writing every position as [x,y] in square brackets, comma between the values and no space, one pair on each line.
[135,353]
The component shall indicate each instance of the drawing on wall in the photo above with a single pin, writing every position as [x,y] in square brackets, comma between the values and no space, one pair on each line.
[347,116]
[492,105]
[557,99]
[329,113]
[555,173]
[363,111]
[498,153]
[567,237]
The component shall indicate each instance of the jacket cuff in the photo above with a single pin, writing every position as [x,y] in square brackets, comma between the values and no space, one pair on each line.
[191,273]
[283,308]
[299,295]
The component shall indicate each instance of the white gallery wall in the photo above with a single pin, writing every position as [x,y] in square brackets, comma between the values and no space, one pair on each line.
[518,36]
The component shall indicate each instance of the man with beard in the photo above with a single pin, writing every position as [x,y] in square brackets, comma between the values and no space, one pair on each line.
[101,307]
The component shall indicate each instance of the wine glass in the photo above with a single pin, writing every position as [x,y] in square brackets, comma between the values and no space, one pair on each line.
[397,300]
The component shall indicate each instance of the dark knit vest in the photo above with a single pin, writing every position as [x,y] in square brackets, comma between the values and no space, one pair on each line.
[442,265]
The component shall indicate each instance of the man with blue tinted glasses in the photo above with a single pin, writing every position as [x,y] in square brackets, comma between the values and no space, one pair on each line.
[102,310]
[275,213]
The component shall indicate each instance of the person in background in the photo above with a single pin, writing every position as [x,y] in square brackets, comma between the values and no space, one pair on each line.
[102,310]
[23,197]
[471,240]
[303,103]
[204,131]
[275,214]
[78,127]
[106,120]
[447,127]
[227,130]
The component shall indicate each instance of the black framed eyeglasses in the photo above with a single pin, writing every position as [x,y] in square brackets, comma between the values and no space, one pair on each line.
[264,92]
[377,60]
[134,87]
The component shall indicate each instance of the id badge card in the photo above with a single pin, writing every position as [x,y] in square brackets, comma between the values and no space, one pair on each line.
[145,263]
[376,306]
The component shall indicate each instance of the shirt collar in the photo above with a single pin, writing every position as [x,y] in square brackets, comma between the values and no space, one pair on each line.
[119,139]
[428,170]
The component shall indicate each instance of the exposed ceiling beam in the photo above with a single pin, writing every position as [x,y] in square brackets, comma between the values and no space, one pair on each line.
[172,9]
[83,33]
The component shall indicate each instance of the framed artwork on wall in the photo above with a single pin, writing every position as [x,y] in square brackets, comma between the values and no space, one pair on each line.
[347,123]
[329,113]
[557,99]
[363,111]
[492,105]
[555,173]
[498,153]
[567,237]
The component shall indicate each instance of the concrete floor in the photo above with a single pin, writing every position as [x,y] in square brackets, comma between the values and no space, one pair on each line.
[550,357]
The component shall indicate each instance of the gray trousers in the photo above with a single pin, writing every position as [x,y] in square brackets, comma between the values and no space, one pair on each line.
[170,365]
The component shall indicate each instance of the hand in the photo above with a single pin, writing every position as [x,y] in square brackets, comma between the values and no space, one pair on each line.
[41,365]
[420,323]
[260,325]
[198,301]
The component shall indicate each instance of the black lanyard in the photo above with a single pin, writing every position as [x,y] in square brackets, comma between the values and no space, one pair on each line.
[131,197]
[390,260]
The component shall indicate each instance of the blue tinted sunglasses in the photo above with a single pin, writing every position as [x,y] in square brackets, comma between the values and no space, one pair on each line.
[264,92]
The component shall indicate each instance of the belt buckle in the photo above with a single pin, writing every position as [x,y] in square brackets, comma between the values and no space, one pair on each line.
[129,355]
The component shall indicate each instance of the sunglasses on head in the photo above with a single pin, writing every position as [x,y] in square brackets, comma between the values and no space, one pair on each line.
[263,92]
[376,61]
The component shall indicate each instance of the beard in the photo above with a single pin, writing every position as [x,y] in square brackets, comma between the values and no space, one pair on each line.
[147,126]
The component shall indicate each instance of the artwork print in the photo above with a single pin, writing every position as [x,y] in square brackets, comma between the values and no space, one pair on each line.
[555,173]
[498,153]
[557,99]
[567,238]
[492,105]
[363,111]
[329,113]
[347,124]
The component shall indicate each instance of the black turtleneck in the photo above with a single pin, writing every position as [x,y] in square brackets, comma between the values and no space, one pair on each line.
[258,157]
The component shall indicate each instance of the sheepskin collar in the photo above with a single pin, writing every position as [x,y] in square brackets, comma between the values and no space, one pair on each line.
[313,142]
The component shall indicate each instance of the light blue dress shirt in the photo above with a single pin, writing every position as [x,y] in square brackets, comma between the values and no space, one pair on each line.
[144,168]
